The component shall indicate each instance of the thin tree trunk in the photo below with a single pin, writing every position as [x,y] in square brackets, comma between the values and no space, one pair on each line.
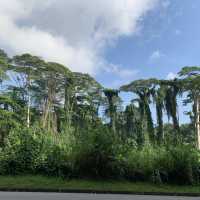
[175,115]
[45,113]
[48,120]
[198,121]
[113,120]
[176,123]
[28,111]
[68,105]
[112,115]
[29,103]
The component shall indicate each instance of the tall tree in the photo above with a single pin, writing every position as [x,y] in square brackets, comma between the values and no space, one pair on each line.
[158,97]
[111,95]
[87,98]
[52,90]
[143,89]
[133,122]
[28,66]
[68,102]
[173,89]
[190,79]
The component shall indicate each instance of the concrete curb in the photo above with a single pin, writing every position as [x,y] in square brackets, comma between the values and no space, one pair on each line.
[98,192]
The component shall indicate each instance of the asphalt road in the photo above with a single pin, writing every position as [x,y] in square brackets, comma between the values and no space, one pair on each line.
[61,196]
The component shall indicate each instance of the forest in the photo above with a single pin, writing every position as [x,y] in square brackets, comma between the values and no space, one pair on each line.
[56,122]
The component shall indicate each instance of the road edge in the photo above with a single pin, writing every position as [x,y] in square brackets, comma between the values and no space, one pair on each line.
[84,191]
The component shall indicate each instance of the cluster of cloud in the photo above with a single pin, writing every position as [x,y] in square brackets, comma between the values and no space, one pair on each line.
[117,70]
[157,54]
[73,32]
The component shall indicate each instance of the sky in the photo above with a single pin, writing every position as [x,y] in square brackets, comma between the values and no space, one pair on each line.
[116,41]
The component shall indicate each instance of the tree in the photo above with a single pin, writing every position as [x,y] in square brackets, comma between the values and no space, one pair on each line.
[52,89]
[143,89]
[4,63]
[28,66]
[173,89]
[68,102]
[86,98]
[158,97]
[111,94]
[133,122]
[190,79]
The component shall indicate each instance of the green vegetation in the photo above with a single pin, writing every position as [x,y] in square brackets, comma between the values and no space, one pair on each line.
[51,125]
[58,184]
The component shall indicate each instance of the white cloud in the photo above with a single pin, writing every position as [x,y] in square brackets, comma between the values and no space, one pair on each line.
[122,75]
[156,55]
[171,76]
[120,71]
[72,32]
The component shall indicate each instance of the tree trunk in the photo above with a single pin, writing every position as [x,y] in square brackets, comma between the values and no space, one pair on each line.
[160,133]
[68,107]
[174,112]
[113,125]
[29,102]
[176,123]
[49,116]
[150,126]
[45,113]
[198,121]
[28,111]
[112,115]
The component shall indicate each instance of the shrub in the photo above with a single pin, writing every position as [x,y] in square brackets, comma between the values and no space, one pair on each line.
[140,163]
[177,164]
[21,150]
[181,164]
[30,151]
[56,157]
[96,154]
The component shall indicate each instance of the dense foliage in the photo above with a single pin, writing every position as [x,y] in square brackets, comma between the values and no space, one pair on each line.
[51,123]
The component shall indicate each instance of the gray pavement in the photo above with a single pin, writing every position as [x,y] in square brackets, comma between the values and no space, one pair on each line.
[62,196]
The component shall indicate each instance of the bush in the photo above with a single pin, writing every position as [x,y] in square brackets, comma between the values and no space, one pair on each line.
[21,150]
[140,163]
[30,151]
[96,154]
[56,158]
[178,164]
[181,164]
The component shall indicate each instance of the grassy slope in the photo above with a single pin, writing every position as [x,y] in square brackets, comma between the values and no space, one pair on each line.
[39,182]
